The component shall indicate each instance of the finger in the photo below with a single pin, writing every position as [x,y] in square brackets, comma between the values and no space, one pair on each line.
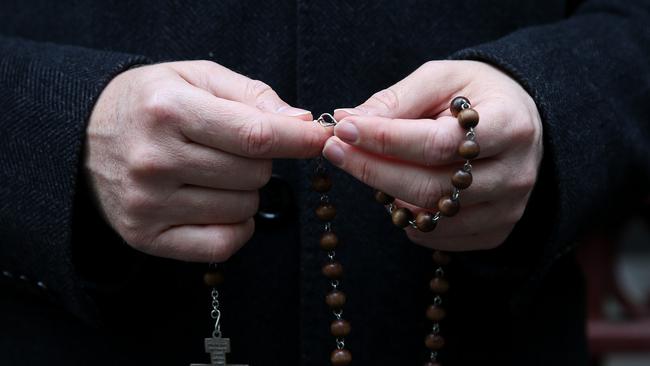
[425,141]
[416,184]
[201,243]
[425,92]
[488,239]
[211,168]
[243,130]
[191,205]
[471,220]
[227,84]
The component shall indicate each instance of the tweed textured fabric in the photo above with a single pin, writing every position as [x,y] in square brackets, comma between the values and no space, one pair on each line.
[85,295]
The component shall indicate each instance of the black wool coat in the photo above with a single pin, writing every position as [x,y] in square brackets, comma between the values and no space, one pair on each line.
[73,293]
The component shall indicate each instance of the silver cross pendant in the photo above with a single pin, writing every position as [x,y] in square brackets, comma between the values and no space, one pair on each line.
[217,347]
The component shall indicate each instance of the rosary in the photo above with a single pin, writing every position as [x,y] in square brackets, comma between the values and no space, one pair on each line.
[402,217]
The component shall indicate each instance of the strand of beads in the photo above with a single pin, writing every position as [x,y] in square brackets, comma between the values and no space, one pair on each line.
[332,269]
[448,205]
[436,312]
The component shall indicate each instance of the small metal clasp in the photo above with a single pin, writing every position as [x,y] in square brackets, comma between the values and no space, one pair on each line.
[326,120]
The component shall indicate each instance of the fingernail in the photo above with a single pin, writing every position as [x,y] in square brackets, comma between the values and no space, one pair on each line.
[347,132]
[333,153]
[350,111]
[292,111]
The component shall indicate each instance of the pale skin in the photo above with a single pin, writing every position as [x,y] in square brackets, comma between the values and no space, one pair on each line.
[403,141]
[176,153]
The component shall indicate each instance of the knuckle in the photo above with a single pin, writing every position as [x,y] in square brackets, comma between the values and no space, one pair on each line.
[222,253]
[427,192]
[264,173]
[366,173]
[439,146]
[525,131]
[158,104]
[133,231]
[232,242]
[256,89]
[523,183]
[143,162]
[384,138]
[136,203]
[250,203]
[257,138]
[388,98]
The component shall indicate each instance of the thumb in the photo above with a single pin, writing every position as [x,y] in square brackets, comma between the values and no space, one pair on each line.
[227,84]
[424,92]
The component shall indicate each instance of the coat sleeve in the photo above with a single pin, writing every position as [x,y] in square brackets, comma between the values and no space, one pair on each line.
[590,78]
[47,93]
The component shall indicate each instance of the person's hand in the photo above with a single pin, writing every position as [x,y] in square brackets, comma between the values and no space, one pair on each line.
[403,141]
[176,152]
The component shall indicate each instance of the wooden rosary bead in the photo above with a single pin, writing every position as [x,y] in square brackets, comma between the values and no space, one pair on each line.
[213,278]
[333,271]
[436,313]
[461,179]
[326,211]
[340,328]
[321,183]
[468,118]
[341,357]
[335,299]
[439,285]
[448,206]
[424,222]
[329,241]
[456,105]
[383,198]
[469,149]
[440,258]
[434,342]
[401,217]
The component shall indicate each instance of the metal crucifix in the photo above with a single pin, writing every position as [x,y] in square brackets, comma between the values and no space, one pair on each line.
[217,347]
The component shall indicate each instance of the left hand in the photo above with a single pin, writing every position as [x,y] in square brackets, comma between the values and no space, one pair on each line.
[403,141]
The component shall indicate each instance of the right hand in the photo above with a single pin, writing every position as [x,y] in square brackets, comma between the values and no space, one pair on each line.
[176,152]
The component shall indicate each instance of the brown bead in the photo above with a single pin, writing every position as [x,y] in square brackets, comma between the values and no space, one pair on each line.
[468,149]
[383,198]
[434,342]
[329,241]
[213,278]
[321,183]
[401,217]
[461,179]
[432,363]
[341,357]
[340,328]
[456,105]
[439,285]
[436,313]
[335,299]
[333,271]
[468,118]
[424,222]
[448,207]
[326,211]
[441,258]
